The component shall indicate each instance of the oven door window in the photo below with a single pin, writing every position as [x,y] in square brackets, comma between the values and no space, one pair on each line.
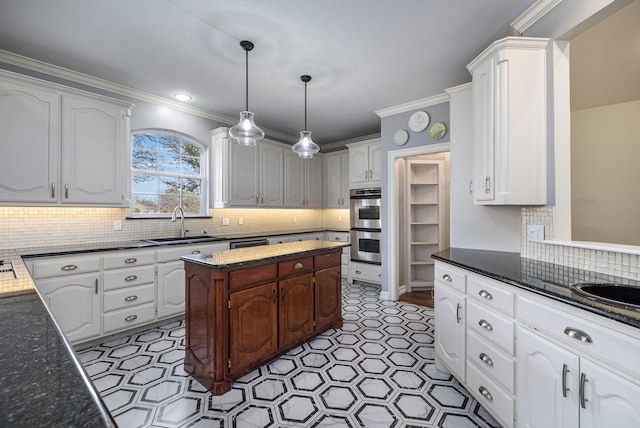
[369,245]
[369,212]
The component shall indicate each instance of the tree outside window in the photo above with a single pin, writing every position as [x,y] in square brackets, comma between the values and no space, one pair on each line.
[167,172]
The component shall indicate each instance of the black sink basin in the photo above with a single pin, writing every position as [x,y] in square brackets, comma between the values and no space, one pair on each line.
[615,294]
[183,239]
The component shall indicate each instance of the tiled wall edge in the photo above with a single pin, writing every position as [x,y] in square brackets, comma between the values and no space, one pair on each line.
[616,263]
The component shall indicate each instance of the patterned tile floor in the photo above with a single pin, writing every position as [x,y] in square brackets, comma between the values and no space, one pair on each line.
[377,371]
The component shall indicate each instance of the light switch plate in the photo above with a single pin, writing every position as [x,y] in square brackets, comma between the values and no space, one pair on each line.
[535,233]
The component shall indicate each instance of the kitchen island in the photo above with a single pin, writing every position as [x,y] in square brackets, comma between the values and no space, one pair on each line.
[247,306]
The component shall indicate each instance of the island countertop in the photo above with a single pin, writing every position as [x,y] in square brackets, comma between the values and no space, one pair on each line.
[242,256]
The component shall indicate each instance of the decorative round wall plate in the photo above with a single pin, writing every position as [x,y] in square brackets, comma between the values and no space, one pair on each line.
[418,121]
[437,130]
[400,137]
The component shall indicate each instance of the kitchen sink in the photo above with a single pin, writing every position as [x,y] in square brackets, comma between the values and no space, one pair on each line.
[184,239]
[611,293]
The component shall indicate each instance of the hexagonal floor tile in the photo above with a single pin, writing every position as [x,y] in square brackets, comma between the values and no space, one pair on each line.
[421,338]
[307,381]
[338,398]
[137,416]
[254,416]
[375,388]
[172,356]
[119,399]
[345,354]
[414,407]
[149,336]
[98,368]
[398,343]
[161,391]
[90,355]
[124,351]
[269,389]
[298,409]
[372,334]
[342,373]
[332,421]
[448,396]
[148,375]
[135,362]
[228,402]
[179,411]
[375,415]
[402,359]
[375,366]
[395,330]
[281,366]
[107,382]
[455,420]
[207,422]
[408,379]
[161,345]
[315,360]
[321,343]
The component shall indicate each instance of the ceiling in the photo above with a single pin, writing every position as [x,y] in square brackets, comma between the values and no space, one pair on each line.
[363,55]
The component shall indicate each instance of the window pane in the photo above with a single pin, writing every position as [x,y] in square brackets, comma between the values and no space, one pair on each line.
[191,149]
[169,185]
[169,162]
[145,204]
[168,203]
[145,141]
[191,204]
[145,183]
[190,165]
[190,186]
[170,144]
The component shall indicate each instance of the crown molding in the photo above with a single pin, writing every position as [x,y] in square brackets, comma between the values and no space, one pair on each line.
[127,91]
[413,105]
[531,15]
[459,88]
[343,143]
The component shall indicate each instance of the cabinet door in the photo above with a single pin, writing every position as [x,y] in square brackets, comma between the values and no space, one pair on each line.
[94,152]
[293,180]
[29,125]
[333,180]
[271,175]
[313,182]
[450,319]
[483,118]
[296,308]
[75,304]
[547,386]
[344,177]
[375,162]
[253,325]
[171,289]
[609,400]
[243,180]
[328,296]
[359,164]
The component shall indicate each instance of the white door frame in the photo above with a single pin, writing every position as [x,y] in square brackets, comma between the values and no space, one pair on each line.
[391,210]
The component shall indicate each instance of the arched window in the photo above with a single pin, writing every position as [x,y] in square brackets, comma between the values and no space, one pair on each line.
[167,170]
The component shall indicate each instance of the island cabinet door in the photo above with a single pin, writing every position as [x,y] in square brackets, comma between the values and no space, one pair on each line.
[254,325]
[296,308]
[328,300]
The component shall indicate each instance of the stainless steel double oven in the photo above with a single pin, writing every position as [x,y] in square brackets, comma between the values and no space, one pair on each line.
[366,225]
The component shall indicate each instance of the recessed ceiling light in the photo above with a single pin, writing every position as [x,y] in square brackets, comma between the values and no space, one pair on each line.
[181,96]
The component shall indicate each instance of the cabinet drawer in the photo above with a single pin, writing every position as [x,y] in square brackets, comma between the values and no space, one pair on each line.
[127,318]
[492,294]
[295,267]
[496,400]
[364,272]
[59,266]
[605,344]
[119,278]
[175,252]
[127,297]
[252,276]
[338,236]
[492,326]
[122,259]
[327,260]
[451,277]
[491,361]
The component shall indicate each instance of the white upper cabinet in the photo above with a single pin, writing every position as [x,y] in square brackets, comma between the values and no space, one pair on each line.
[336,180]
[510,122]
[61,145]
[365,164]
[246,176]
[302,181]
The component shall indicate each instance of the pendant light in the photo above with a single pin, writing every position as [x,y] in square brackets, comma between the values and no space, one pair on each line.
[305,147]
[246,132]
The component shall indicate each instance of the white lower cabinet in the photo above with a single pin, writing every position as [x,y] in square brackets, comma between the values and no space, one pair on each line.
[553,365]
[74,301]
[171,294]
[365,272]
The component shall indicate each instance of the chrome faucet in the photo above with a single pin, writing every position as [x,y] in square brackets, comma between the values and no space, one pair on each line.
[174,218]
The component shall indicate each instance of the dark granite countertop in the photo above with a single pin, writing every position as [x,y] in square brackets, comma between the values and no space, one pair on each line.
[243,256]
[41,381]
[547,279]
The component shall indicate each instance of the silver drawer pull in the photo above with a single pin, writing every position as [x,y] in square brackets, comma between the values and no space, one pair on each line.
[130,298]
[565,370]
[337,238]
[131,318]
[358,272]
[486,325]
[298,266]
[581,393]
[195,252]
[458,316]
[485,294]
[578,334]
[131,278]
[69,267]
[485,359]
[130,260]
[447,277]
[485,393]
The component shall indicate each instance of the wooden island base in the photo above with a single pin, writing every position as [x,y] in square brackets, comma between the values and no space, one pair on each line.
[245,307]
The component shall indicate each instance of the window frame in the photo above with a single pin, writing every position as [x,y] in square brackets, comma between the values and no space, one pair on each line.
[203,177]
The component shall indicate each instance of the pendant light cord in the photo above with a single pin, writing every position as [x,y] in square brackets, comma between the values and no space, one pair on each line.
[246,75]
[305,106]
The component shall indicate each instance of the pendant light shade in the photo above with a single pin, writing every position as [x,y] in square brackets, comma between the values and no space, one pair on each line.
[246,132]
[305,147]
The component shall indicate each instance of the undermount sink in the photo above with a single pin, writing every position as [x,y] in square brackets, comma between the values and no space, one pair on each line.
[183,239]
[615,294]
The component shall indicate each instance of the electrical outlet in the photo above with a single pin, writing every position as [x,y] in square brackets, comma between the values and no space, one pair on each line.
[535,233]
[117,225]
[240,220]
[339,218]
[295,220]
[225,221]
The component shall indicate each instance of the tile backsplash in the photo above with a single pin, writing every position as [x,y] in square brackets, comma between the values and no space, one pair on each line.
[618,263]
[28,227]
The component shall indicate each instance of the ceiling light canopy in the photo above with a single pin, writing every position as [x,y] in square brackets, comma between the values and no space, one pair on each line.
[181,96]
[305,147]
[246,132]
